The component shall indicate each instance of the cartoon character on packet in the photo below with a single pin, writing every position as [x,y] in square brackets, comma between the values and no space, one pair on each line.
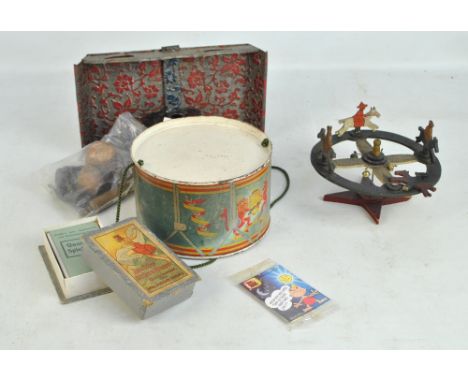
[305,300]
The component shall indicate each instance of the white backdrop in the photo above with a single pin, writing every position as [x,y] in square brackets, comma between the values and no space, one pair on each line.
[400,284]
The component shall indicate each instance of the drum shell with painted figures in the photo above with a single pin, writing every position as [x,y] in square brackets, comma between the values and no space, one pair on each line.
[204,185]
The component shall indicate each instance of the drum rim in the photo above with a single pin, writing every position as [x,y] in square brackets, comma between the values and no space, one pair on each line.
[173,123]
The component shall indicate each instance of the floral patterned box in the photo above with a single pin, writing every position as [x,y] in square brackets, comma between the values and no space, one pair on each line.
[227,81]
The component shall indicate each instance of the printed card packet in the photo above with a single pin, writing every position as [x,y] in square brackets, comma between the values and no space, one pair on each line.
[282,292]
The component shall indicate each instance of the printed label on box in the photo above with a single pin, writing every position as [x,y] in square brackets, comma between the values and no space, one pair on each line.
[152,269]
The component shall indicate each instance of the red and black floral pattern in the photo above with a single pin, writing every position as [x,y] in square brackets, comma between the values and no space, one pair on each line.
[229,85]
[226,85]
[106,91]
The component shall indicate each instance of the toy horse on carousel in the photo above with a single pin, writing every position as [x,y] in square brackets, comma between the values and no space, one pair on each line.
[358,120]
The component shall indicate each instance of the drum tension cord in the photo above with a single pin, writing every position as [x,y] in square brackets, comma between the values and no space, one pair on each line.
[211,261]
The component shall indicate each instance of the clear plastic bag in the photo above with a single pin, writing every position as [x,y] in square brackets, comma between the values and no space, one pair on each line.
[89,180]
[286,295]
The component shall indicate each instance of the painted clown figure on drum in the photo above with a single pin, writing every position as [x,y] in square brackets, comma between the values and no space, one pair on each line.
[203,185]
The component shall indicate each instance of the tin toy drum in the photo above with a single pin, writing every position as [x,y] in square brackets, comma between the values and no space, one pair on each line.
[202,184]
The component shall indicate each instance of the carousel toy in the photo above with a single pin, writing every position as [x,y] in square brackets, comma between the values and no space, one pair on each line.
[392,186]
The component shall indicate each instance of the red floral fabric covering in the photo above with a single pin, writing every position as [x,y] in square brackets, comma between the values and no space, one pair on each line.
[229,85]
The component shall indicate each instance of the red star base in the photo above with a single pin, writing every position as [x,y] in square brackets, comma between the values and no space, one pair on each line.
[373,206]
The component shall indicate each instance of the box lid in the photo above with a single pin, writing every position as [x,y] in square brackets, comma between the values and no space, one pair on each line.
[167,53]
[142,261]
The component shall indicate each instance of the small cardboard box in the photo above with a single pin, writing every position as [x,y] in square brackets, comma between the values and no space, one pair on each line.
[139,267]
[62,255]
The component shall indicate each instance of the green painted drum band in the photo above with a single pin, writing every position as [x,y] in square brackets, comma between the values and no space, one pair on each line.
[226,221]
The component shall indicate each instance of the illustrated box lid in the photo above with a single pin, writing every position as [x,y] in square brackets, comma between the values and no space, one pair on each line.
[139,267]
[223,80]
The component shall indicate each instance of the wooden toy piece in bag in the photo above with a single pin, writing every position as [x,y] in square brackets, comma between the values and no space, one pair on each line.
[227,81]
[89,180]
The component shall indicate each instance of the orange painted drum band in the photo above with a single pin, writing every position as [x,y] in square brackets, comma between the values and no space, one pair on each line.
[227,250]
